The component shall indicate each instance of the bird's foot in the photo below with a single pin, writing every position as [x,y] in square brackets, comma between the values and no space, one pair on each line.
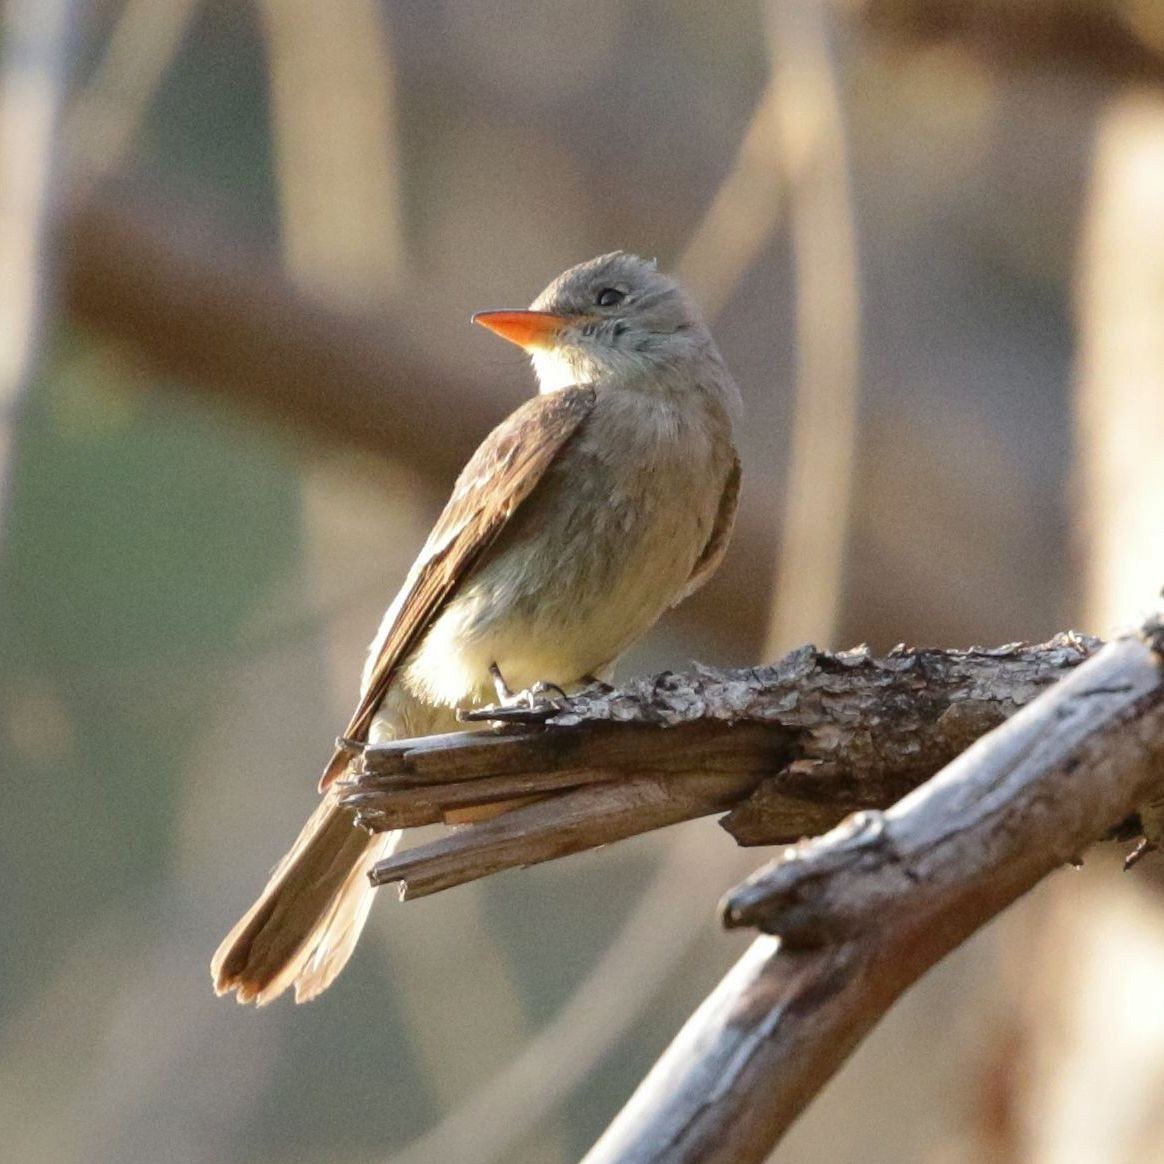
[535,704]
[530,698]
[352,747]
[1152,829]
[1142,849]
[504,695]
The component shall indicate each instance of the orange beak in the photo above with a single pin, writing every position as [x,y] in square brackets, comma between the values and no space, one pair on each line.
[527,329]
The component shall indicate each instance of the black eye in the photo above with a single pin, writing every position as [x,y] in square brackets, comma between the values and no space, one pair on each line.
[609,296]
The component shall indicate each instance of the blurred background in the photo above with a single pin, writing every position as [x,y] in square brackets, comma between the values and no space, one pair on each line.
[240,245]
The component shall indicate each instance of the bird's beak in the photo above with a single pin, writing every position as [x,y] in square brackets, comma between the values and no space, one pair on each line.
[527,329]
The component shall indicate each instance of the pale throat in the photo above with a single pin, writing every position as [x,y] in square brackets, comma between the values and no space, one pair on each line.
[553,370]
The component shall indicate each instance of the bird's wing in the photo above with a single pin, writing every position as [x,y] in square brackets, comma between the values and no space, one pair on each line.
[500,475]
[721,532]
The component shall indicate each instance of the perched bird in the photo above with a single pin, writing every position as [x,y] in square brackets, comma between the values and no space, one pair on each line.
[594,507]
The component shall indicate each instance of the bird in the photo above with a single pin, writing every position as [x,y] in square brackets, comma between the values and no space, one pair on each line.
[599,503]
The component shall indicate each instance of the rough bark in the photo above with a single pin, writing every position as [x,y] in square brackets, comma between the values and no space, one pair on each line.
[790,749]
[863,911]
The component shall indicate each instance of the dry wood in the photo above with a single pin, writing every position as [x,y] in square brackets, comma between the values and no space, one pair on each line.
[569,823]
[790,749]
[863,911]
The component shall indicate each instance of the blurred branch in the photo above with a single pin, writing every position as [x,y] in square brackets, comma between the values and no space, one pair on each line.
[791,749]
[818,497]
[106,114]
[865,910]
[1120,375]
[197,307]
[744,214]
[193,304]
[34,68]
[1119,40]
[334,131]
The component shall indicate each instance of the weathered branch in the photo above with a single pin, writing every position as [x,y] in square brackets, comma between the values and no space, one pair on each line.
[863,911]
[790,749]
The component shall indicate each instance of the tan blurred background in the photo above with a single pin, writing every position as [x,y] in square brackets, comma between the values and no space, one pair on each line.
[241,243]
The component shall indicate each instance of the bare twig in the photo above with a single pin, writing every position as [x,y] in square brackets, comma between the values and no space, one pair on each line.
[863,911]
[333,123]
[790,748]
[579,819]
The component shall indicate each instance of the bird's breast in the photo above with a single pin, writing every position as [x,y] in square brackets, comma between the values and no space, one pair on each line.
[603,545]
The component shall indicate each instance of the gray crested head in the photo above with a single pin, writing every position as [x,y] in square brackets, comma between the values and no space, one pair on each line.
[622,318]
[622,291]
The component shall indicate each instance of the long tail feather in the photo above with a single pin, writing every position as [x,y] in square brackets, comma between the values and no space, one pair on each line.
[305,924]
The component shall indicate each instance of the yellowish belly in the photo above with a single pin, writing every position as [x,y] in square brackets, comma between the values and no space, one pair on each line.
[570,634]
[602,547]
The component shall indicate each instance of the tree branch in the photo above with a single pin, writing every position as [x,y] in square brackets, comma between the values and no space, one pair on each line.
[863,911]
[790,749]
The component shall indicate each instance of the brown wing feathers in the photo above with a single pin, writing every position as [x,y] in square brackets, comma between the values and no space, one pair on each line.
[302,928]
[721,533]
[498,478]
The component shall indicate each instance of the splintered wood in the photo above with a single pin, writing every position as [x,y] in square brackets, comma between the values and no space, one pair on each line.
[785,751]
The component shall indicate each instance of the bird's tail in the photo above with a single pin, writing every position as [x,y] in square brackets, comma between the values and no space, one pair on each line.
[304,925]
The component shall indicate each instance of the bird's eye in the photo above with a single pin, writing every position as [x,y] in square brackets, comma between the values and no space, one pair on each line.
[609,296]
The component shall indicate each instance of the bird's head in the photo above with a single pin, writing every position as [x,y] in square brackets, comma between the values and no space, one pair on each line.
[612,317]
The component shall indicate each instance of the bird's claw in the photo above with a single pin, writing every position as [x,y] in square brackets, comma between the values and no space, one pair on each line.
[1144,846]
[1151,817]
[533,705]
[540,693]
